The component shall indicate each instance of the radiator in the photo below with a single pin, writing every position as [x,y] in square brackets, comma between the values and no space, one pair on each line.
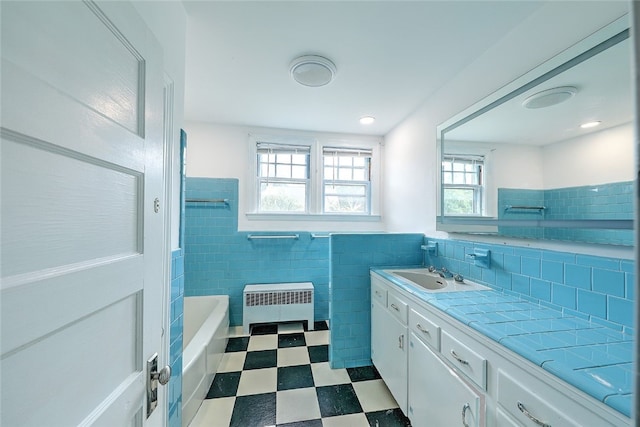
[277,302]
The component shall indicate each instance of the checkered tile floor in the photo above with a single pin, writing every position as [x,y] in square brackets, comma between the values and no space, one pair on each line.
[280,376]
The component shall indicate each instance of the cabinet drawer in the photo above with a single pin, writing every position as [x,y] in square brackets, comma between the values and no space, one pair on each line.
[424,328]
[398,307]
[378,292]
[525,405]
[466,360]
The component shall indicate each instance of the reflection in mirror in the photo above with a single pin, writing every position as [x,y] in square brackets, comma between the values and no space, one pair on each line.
[551,157]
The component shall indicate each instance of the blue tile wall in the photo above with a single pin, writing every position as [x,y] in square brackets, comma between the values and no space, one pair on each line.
[219,260]
[600,289]
[174,405]
[605,201]
[352,256]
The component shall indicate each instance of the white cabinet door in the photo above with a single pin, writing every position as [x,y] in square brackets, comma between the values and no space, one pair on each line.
[82,238]
[389,352]
[437,395]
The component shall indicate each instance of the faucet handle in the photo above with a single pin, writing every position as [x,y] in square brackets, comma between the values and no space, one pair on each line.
[431,269]
[458,278]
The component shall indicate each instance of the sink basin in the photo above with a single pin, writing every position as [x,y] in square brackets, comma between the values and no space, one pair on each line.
[432,282]
[426,279]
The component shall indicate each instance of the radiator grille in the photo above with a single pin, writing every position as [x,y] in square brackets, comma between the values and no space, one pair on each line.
[253,299]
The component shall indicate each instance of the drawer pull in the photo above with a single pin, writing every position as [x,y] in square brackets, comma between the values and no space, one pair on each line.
[401,341]
[395,307]
[458,358]
[464,414]
[421,329]
[531,417]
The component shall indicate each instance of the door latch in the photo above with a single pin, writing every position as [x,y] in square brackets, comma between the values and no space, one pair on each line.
[153,378]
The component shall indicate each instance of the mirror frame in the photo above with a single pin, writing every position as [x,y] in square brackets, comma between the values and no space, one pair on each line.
[609,35]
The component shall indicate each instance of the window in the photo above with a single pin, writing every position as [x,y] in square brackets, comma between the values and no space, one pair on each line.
[462,184]
[283,177]
[311,179]
[346,184]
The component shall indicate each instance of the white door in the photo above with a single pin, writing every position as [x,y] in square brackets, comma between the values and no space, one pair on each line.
[81,260]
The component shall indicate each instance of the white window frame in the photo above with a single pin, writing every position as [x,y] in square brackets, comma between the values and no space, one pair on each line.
[478,189]
[277,148]
[366,153]
[315,194]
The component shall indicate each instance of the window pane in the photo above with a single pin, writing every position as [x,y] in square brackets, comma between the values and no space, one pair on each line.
[299,172]
[283,171]
[282,197]
[359,175]
[458,178]
[345,198]
[345,161]
[458,201]
[345,174]
[299,159]
[283,158]
[328,160]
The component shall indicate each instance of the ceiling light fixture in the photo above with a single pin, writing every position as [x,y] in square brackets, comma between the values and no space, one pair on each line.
[312,70]
[367,120]
[550,97]
[590,124]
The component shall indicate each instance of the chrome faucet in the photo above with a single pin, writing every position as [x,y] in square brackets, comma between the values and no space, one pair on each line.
[444,273]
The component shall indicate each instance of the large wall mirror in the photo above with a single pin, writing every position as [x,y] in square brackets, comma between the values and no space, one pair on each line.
[549,156]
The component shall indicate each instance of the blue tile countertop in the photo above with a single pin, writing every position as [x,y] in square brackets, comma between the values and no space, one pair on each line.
[593,358]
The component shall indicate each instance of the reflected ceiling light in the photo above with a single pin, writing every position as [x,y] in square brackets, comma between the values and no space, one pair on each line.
[312,70]
[550,97]
[367,120]
[590,124]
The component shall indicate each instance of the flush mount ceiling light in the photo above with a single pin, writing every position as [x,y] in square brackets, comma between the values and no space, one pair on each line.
[550,97]
[590,125]
[367,120]
[312,70]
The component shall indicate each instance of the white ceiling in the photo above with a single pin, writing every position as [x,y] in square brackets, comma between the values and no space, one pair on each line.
[390,57]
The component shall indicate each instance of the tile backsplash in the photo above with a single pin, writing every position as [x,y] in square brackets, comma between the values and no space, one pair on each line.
[220,260]
[603,201]
[600,289]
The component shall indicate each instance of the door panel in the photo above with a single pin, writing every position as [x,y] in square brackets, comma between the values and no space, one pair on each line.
[81,167]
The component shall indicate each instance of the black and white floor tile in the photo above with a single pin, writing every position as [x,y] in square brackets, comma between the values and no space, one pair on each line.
[280,376]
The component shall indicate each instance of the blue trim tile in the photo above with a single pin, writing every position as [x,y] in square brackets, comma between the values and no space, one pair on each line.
[608,282]
[577,275]
[599,262]
[541,289]
[621,311]
[552,271]
[563,295]
[592,303]
[530,267]
[520,284]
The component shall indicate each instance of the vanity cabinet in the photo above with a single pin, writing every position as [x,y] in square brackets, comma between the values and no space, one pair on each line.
[444,370]
[389,342]
[438,395]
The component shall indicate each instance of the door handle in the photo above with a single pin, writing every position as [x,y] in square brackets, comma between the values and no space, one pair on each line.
[153,378]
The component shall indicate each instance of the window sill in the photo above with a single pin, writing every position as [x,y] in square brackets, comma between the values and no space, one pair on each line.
[311,217]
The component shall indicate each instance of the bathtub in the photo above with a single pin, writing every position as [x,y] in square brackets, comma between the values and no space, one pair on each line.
[205,336]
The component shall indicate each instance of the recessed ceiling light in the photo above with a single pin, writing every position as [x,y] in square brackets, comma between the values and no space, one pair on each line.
[312,70]
[590,125]
[367,120]
[550,97]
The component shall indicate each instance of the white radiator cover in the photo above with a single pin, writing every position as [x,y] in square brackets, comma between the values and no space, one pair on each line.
[277,302]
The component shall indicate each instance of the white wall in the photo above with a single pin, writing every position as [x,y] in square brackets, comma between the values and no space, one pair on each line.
[597,158]
[223,151]
[411,156]
[168,21]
